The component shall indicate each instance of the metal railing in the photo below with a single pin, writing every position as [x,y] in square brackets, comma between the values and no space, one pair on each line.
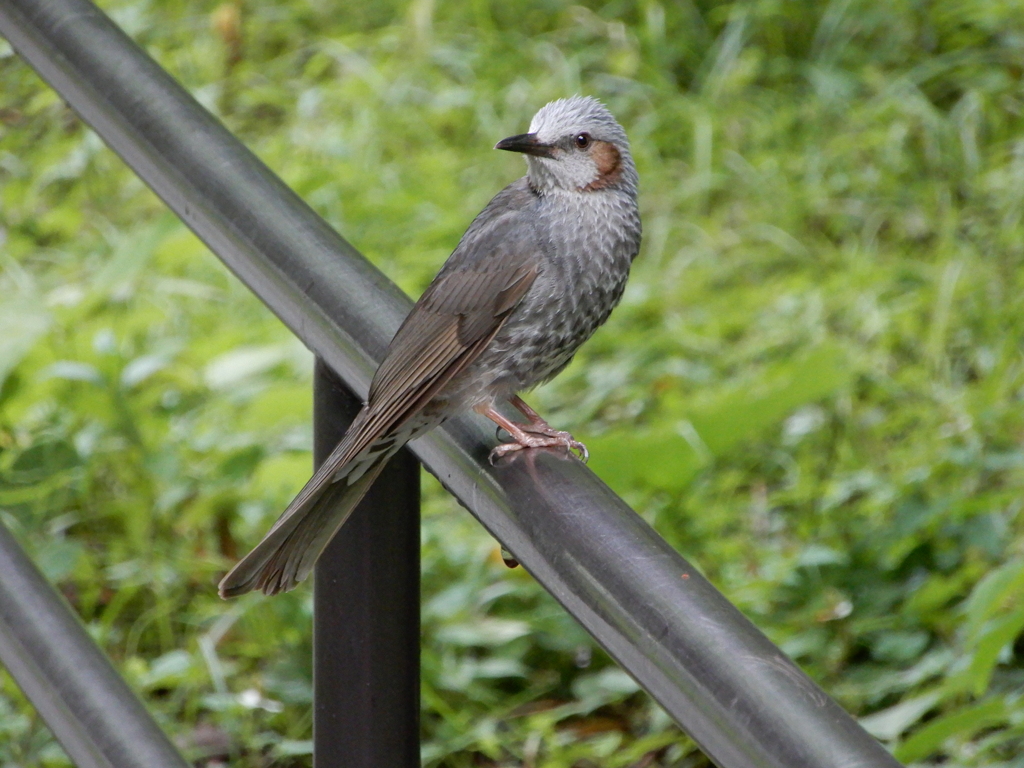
[741,699]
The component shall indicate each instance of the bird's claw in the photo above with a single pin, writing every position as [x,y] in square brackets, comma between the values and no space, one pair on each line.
[549,438]
[564,438]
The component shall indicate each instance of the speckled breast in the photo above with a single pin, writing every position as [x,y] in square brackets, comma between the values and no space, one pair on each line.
[593,242]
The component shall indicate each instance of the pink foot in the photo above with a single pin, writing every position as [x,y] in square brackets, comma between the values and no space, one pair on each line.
[537,434]
[532,438]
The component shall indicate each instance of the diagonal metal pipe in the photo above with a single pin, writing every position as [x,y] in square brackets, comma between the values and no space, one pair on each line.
[92,711]
[736,694]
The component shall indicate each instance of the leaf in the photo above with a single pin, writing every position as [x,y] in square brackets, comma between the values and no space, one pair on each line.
[141,368]
[234,367]
[71,371]
[293,748]
[132,251]
[240,464]
[892,722]
[661,458]
[44,459]
[485,632]
[607,685]
[58,558]
[22,323]
[962,723]
[818,554]
[994,636]
[669,456]
[990,595]
[896,646]
[743,412]
[168,669]
[499,667]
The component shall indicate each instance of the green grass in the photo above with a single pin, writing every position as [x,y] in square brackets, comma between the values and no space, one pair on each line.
[813,387]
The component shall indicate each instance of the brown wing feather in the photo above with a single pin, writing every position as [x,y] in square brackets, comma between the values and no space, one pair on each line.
[456,313]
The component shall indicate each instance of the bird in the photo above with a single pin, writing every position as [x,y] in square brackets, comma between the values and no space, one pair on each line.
[534,275]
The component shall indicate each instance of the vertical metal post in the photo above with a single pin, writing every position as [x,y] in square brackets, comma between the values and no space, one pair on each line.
[366,632]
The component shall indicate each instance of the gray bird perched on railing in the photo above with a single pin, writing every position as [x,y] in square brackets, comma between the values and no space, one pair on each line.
[536,273]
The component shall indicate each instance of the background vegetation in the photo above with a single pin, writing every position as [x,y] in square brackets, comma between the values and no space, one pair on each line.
[813,387]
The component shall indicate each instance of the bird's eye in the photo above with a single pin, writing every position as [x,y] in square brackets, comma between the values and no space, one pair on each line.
[583,140]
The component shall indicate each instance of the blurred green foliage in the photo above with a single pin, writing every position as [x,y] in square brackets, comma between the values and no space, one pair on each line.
[813,387]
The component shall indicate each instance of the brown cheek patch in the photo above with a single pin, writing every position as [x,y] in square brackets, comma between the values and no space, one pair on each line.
[609,165]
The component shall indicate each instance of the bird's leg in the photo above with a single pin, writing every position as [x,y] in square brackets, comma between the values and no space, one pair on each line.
[537,424]
[537,433]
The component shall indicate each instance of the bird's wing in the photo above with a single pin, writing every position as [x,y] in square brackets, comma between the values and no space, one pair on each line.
[460,312]
[449,327]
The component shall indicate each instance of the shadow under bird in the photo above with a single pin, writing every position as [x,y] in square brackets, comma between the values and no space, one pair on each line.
[533,277]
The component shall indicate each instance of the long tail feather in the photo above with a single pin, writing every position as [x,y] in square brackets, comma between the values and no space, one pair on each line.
[291,548]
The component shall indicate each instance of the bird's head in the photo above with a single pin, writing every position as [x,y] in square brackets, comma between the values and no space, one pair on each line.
[575,145]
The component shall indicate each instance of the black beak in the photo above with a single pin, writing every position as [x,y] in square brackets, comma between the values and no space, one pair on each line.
[526,143]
